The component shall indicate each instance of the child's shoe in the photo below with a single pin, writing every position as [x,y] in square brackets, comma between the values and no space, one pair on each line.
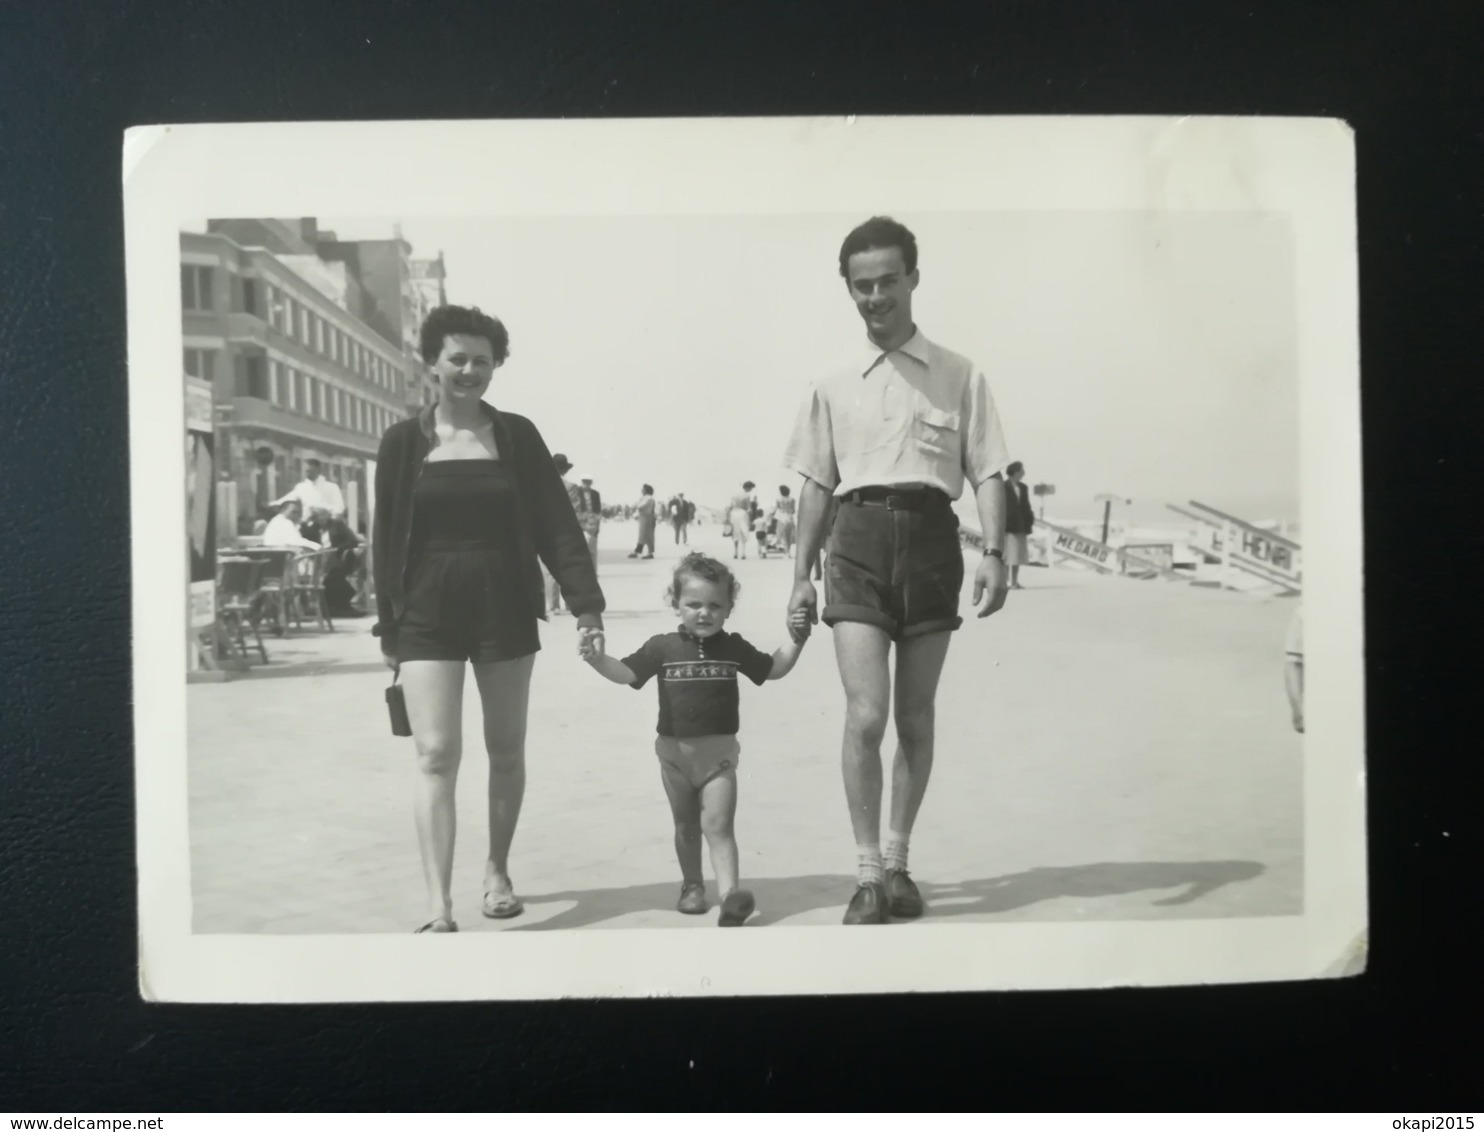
[692,899]
[736,906]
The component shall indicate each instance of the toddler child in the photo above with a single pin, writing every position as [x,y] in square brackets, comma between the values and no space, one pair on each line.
[697,666]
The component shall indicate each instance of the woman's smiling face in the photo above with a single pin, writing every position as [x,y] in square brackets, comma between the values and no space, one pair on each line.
[464,367]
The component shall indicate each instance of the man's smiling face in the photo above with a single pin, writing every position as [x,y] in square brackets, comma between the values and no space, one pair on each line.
[881,287]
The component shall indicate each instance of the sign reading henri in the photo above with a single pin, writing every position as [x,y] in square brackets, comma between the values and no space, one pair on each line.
[1261,553]
[200,502]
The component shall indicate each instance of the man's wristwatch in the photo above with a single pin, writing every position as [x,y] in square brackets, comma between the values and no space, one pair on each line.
[994,552]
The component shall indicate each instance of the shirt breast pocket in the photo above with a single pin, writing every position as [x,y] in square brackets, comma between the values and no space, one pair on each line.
[936,433]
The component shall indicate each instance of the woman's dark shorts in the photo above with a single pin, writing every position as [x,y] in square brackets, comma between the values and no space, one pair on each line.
[900,570]
[465,602]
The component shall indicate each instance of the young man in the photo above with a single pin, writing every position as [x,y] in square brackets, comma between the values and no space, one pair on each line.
[893,436]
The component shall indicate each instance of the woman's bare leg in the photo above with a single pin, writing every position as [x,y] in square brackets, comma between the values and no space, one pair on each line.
[504,691]
[435,693]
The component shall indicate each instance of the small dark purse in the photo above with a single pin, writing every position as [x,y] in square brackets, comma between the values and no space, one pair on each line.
[396,707]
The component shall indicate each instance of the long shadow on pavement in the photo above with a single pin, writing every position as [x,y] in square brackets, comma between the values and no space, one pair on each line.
[1106,878]
[781,897]
[777,898]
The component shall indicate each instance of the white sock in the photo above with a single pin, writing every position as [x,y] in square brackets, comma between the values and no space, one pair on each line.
[868,868]
[896,850]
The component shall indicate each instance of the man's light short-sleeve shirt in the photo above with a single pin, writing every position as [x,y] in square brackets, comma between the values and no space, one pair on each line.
[918,416]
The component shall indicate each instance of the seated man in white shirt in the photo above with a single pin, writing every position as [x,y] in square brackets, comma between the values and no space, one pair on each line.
[315,493]
[283,528]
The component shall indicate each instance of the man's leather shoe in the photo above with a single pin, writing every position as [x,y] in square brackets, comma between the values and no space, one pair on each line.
[867,906]
[903,900]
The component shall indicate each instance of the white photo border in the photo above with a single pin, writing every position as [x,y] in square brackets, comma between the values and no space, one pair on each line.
[1302,168]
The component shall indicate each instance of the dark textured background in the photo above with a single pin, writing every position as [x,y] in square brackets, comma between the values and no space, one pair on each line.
[74,1035]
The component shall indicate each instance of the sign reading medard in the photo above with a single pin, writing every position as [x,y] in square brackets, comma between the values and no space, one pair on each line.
[1086,550]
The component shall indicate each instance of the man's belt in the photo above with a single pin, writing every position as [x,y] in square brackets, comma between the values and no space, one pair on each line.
[898,498]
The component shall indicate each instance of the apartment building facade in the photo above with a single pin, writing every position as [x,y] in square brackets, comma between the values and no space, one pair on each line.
[295,374]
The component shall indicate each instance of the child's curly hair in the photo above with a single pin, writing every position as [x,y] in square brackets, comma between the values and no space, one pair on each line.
[698,565]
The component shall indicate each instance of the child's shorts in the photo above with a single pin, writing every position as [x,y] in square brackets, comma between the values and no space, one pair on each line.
[698,759]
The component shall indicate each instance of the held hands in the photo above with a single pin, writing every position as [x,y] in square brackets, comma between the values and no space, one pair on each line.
[591,644]
[799,626]
[990,578]
[803,610]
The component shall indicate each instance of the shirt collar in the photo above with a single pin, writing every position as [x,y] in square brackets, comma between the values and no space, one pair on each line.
[917,348]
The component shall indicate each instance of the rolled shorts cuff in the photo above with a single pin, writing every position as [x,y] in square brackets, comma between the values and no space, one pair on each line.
[924,628]
[862,614]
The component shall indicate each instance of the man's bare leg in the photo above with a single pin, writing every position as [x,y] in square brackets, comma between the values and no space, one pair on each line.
[919,667]
[862,653]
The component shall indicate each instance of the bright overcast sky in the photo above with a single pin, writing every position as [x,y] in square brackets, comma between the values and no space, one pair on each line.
[1148,355]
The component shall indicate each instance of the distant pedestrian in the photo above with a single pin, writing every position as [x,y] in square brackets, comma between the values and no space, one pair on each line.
[681,512]
[831,506]
[760,526]
[644,509]
[783,515]
[1020,521]
[467,499]
[1293,668]
[552,590]
[739,519]
[590,516]
[696,744]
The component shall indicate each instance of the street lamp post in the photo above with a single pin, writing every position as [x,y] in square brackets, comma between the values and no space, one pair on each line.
[1107,501]
[1041,491]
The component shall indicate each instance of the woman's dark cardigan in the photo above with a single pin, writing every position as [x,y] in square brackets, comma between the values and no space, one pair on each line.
[548,526]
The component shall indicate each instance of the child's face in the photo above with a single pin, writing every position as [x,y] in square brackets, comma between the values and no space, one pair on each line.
[702,606]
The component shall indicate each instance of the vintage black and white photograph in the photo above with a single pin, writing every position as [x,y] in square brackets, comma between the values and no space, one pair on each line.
[601,534]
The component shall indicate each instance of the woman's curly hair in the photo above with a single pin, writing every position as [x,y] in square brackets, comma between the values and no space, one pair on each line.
[444,321]
[703,566]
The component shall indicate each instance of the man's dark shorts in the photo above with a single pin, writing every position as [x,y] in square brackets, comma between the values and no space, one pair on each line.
[898,569]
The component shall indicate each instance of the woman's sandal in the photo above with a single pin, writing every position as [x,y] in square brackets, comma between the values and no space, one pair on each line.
[439,925]
[501,905]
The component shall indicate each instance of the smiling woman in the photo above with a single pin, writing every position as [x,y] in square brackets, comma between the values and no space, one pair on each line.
[468,500]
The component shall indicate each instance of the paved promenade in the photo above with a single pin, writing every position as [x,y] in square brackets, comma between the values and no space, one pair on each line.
[1107,749]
